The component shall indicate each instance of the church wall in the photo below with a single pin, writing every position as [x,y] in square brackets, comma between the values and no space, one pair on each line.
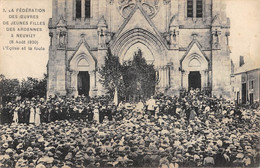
[59,76]
[174,57]
[202,35]
[74,36]
[221,74]
[94,12]
[60,69]
[54,11]
[71,53]
[51,76]
[102,8]
[69,12]
[221,67]
[61,8]
[161,20]
[194,22]
[115,19]
[66,9]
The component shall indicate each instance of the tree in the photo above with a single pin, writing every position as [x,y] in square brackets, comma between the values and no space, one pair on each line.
[139,78]
[9,88]
[133,80]
[33,87]
[111,74]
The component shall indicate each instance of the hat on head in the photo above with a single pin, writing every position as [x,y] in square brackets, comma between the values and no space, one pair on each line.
[40,165]
[240,155]
[5,145]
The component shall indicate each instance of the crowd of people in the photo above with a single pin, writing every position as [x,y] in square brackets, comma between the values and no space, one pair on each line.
[38,110]
[192,130]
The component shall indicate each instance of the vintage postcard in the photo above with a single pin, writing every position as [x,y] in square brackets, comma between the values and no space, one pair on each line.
[129,83]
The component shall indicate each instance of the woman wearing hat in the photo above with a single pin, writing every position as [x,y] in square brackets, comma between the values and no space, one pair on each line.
[32,114]
[96,114]
[15,115]
[37,115]
[151,105]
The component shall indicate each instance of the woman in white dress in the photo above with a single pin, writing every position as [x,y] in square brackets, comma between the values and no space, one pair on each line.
[15,117]
[37,115]
[96,114]
[32,115]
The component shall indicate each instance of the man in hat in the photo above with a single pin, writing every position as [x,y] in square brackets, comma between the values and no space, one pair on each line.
[220,159]
[150,106]
[96,117]
[209,160]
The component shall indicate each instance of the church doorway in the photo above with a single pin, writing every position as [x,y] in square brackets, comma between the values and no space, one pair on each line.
[83,83]
[194,80]
[251,98]
[244,93]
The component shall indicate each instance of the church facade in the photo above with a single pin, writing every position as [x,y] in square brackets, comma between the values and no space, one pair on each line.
[187,41]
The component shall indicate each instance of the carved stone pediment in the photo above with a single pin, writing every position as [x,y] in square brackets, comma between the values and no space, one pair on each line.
[151,7]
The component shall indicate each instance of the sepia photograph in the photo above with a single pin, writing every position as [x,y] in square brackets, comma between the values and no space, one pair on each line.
[129,83]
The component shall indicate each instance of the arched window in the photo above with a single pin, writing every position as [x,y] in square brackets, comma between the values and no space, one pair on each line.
[78,8]
[83,8]
[189,8]
[199,9]
[87,8]
[194,8]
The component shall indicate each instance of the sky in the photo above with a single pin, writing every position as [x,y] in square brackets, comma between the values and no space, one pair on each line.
[244,37]
[245,29]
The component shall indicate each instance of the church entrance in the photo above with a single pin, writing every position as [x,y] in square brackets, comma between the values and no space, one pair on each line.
[251,98]
[244,93]
[194,80]
[83,83]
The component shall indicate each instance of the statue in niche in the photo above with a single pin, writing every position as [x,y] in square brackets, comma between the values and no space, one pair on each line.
[102,37]
[51,36]
[62,39]
[173,38]
[216,39]
[227,40]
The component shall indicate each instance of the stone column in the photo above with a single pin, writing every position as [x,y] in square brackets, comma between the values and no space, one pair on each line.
[161,73]
[74,83]
[162,77]
[186,80]
[210,79]
[206,78]
[159,76]
[182,73]
[202,74]
[165,76]
[92,88]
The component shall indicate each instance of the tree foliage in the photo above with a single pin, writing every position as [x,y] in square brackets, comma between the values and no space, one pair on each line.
[139,78]
[111,74]
[135,79]
[33,87]
[11,88]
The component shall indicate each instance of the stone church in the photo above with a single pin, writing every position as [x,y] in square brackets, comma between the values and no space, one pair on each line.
[187,41]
